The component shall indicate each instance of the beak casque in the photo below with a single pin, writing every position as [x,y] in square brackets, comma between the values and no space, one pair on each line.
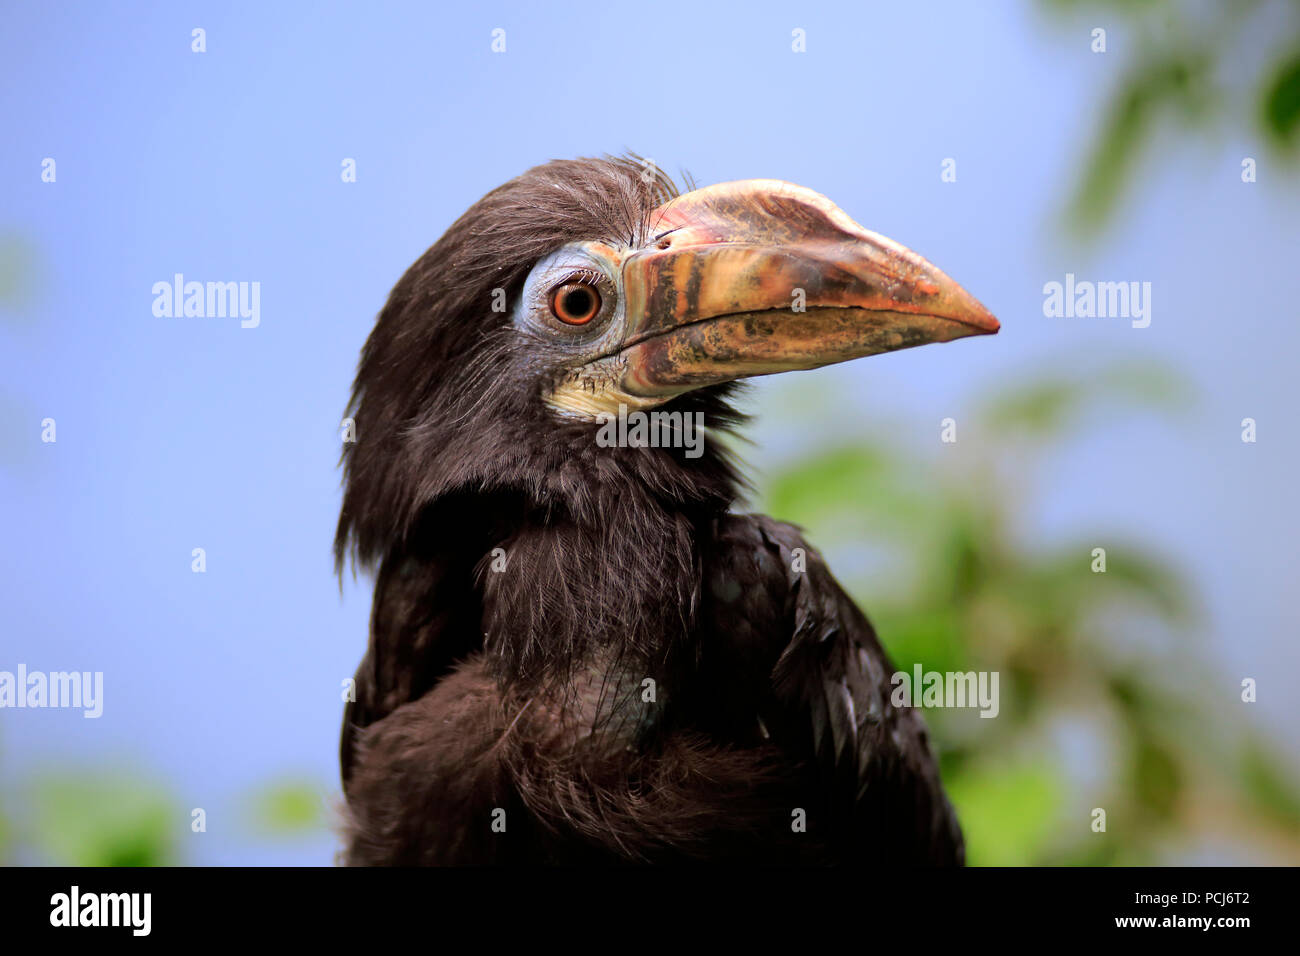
[761,276]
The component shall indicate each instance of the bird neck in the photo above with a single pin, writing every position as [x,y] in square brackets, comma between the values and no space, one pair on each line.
[605,582]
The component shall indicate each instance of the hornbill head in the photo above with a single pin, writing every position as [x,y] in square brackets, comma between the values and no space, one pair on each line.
[586,285]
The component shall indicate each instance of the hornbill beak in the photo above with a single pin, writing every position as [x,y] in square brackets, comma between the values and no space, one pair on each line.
[761,276]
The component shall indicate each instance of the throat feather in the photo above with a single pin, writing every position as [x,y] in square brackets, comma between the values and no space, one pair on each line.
[617,591]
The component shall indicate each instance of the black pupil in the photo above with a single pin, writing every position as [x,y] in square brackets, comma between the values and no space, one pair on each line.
[577,302]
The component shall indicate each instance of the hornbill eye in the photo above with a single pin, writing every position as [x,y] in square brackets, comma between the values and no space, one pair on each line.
[575,303]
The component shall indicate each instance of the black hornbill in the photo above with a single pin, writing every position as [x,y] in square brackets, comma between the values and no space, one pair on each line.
[580,653]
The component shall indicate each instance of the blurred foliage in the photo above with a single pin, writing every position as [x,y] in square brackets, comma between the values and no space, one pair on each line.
[1206,65]
[1016,809]
[1109,664]
[102,816]
[1044,408]
[19,268]
[19,264]
[286,808]
[109,818]
[1268,788]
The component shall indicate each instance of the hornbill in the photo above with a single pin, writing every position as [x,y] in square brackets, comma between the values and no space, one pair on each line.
[579,653]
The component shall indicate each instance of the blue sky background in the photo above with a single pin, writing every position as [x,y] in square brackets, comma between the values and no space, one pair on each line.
[185,432]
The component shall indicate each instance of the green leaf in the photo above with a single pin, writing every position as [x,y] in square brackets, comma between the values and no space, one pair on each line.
[1151,89]
[287,807]
[930,636]
[1050,406]
[1009,814]
[1144,577]
[821,485]
[103,819]
[1264,778]
[1281,101]
[1158,775]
